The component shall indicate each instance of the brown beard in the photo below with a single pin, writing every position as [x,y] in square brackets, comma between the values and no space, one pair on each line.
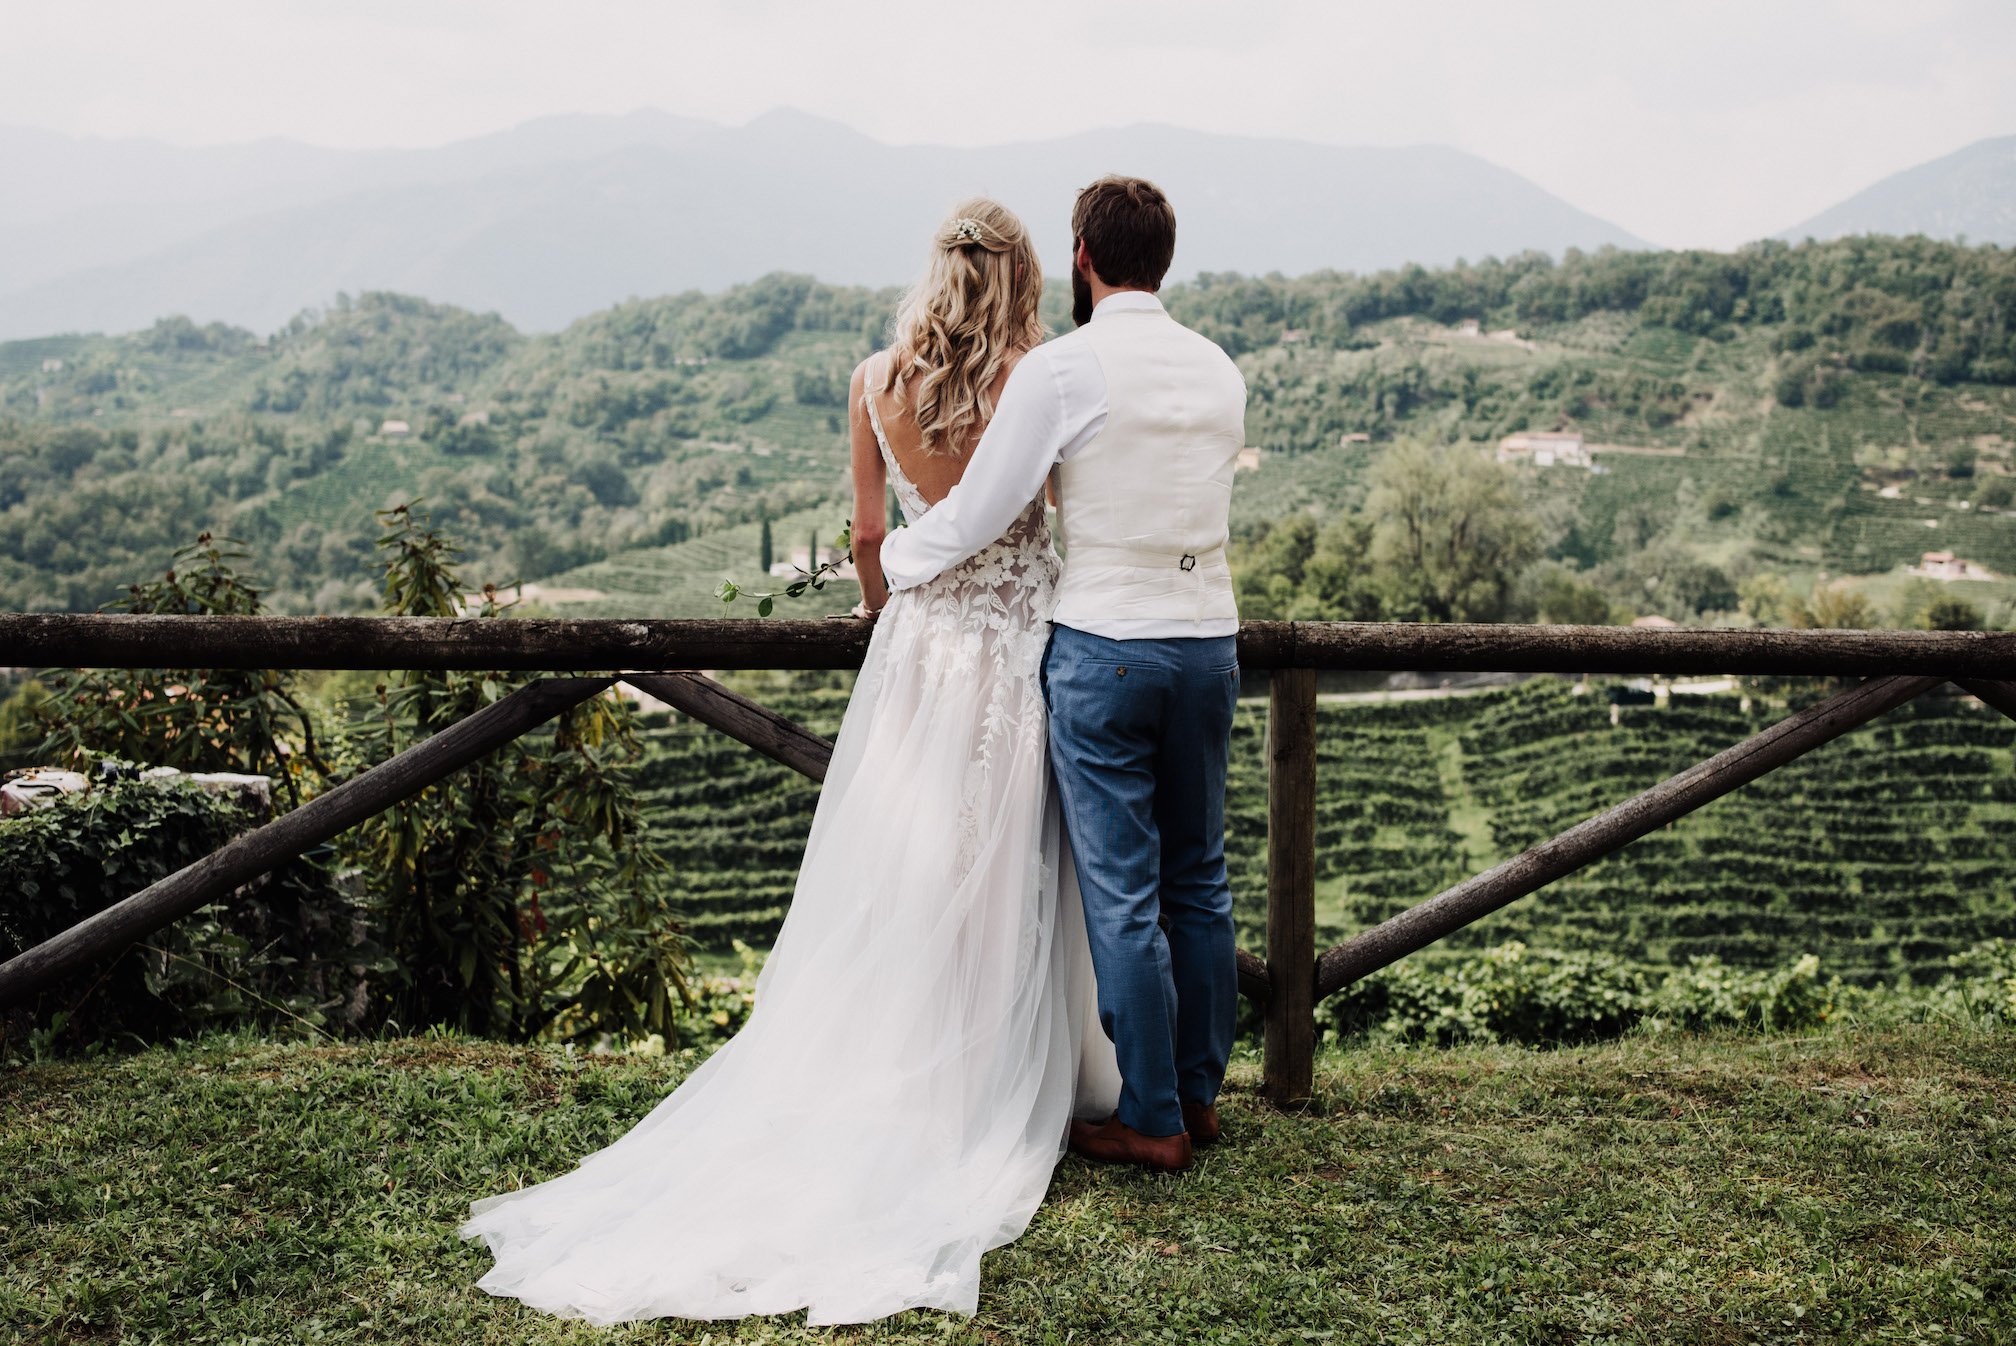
[1081,296]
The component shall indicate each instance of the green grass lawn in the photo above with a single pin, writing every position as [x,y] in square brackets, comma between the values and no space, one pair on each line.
[1665,1188]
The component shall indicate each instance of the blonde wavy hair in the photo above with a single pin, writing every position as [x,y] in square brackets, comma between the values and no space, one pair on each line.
[955,329]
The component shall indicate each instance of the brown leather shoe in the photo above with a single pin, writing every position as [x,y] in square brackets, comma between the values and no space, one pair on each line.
[1114,1142]
[1201,1121]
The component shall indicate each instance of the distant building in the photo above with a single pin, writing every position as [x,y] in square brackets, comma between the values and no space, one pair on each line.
[1345,441]
[1944,565]
[474,418]
[1249,459]
[52,366]
[394,429]
[1546,448]
[1290,336]
[1655,621]
[1469,327]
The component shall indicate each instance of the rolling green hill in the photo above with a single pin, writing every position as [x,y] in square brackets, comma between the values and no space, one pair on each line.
[1838,408]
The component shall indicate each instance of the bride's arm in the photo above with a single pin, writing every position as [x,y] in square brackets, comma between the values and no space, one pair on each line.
[871,485]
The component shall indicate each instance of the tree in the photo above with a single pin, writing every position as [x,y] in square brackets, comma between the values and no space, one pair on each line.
[1948,613]
[1835,607]
[1561,598]
[764,557]
[1450,534]
[1994,492]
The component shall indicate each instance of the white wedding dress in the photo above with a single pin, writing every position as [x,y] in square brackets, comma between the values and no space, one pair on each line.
[923,1031]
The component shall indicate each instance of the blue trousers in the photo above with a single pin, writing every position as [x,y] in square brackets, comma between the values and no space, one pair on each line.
[1140,733]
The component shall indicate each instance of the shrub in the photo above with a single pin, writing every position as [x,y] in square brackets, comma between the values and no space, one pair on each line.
[1512,993]
[1507,993]
[520,897]
[285,949]
[1708,992]
[1952,614]
[193,719]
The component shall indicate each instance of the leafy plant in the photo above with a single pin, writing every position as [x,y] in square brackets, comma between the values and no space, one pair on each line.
[284,951]
[1508,993]
[21,726]
[191,718]
[518,897]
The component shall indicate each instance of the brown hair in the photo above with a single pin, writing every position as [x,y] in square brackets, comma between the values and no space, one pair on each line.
[974,308]
[1128,228]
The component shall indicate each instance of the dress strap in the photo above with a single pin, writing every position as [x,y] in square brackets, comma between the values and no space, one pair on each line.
[875,378]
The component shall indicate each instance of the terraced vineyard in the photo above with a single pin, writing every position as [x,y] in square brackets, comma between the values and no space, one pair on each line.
[1883,852]
[731,822]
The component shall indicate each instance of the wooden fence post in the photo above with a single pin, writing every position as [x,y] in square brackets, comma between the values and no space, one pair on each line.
[1290,1059]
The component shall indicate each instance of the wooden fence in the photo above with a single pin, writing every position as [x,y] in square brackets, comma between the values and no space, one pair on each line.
[1894,667]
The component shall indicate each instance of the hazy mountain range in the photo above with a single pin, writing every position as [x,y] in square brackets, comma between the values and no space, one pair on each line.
[566,215]
[1970,193]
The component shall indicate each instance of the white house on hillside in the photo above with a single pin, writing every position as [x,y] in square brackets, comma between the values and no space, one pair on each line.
[1546,448]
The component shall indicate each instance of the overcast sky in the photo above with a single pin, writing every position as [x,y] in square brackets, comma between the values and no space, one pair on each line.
[1703,123]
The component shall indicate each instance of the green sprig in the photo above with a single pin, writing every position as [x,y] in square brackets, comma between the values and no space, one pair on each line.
[815,578]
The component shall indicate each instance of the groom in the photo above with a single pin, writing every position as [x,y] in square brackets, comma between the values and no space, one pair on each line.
[1138,421]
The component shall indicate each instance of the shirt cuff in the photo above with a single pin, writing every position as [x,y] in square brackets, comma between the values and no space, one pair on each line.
[894,573]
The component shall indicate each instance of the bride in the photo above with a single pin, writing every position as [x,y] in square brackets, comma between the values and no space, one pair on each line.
[901,1093]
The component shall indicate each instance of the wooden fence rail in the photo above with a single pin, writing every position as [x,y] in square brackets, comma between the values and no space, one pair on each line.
[69,640]
[1899,665]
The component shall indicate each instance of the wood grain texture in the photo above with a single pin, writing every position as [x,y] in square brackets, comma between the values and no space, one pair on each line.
[1998,695]
[246,857]
[779,739]
[1289,1054]
[1420,926]
[1254,983]
[1624,650]
[114,640]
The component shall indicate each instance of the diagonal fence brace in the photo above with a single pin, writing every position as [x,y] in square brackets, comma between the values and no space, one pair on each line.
[1991,692]
[702,698]
[325,816]
[1611,830]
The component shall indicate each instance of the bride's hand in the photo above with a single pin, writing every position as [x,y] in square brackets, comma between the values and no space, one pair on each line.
[864,612]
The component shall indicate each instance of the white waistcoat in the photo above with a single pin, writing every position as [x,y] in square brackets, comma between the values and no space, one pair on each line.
[1142,509]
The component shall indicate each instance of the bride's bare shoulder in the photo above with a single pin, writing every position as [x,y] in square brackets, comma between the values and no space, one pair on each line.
[872,374]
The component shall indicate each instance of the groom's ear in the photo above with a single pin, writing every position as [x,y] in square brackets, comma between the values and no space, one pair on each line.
[1081,257]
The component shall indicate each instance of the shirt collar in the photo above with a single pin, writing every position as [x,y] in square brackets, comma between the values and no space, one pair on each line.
[1126,301]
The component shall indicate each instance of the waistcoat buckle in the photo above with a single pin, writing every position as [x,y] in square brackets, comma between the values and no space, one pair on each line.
[1188,562]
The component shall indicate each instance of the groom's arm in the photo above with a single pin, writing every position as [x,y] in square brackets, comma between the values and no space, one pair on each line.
[1049,409]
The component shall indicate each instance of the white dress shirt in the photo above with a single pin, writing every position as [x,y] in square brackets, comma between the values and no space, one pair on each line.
[1053,405]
